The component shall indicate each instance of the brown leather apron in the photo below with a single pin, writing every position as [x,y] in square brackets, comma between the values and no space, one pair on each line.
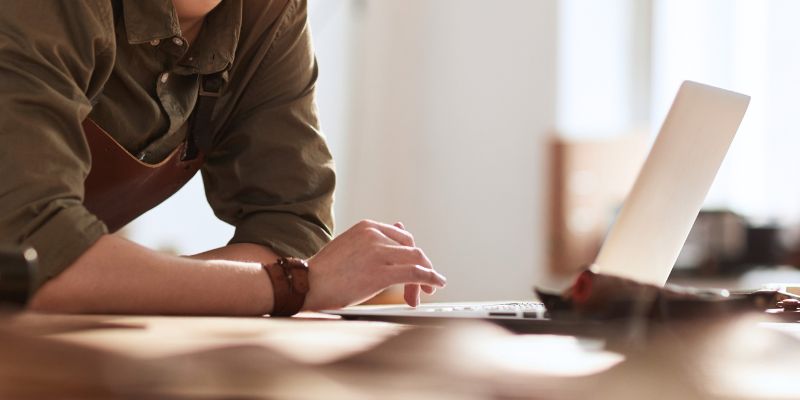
[120,188]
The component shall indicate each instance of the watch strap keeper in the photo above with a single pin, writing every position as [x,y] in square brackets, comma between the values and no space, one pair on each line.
[289,278]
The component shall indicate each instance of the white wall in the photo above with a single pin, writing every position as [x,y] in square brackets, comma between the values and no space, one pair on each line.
[454,102]
[604,68]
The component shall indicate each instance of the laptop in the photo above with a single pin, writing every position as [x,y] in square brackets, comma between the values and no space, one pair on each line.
[653,224]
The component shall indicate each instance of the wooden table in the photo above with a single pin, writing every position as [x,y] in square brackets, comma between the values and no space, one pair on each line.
[304,339]
[316,356]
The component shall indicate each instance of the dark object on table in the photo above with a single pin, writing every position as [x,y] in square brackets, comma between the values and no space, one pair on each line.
[17,268]
[717,243]
[722,242]
[764,246]
[598,296]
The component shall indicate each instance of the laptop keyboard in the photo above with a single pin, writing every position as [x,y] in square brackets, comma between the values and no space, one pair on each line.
[523,306]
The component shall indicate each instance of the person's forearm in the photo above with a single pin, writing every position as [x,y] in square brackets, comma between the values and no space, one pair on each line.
[245,252]
[119,276]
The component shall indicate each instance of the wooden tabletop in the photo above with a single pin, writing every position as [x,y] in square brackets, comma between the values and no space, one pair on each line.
[318,356]
[304,339]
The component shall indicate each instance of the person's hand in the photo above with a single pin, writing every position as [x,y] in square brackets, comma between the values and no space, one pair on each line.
[364,260]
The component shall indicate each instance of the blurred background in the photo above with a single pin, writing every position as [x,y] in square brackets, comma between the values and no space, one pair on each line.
[505,134]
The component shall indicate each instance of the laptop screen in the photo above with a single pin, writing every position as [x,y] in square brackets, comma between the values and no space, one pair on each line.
[666,197]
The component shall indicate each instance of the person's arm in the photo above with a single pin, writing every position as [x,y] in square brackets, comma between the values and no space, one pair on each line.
[119,276]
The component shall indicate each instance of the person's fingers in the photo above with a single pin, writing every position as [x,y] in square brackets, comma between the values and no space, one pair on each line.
[411,294]
[395,233]
[399,225]
[412,274]
[403,255]
[414,288]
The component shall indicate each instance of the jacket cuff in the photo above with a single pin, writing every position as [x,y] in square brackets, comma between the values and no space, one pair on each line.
[62,239]
[288,235]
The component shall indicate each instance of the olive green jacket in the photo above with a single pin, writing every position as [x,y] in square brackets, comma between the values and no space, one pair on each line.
[270,173]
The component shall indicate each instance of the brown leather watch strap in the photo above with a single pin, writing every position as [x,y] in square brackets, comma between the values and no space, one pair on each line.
[289,278]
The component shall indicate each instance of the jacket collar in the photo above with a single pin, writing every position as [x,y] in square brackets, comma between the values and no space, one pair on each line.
[215,47]
[150,20]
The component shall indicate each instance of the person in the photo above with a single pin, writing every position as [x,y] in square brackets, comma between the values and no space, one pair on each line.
[108,107]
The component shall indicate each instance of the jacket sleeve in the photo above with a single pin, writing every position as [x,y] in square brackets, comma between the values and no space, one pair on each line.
[54,57]
[271,174]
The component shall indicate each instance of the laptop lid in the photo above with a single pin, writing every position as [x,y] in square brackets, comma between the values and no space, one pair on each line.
[655,220]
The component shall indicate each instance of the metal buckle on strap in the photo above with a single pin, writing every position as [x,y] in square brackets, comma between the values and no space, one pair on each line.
[211,85]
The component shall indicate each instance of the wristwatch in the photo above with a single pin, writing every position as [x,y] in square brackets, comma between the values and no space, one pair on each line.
[289,278]
[17,268]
